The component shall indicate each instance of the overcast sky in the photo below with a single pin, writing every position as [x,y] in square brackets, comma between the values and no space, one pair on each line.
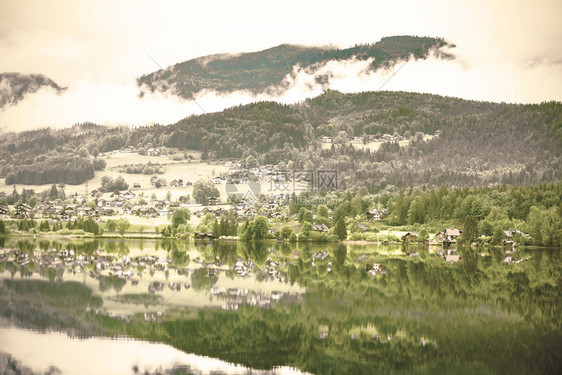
[506,50]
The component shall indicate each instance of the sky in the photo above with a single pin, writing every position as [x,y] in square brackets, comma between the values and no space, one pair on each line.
[506,51]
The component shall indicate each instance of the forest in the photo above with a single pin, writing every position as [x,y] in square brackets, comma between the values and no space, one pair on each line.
[472,144]
[265,71]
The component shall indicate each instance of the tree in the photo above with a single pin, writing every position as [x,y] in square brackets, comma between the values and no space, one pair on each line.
[83,152]
[99,164]
[180,216]
[339,229]
[53,193]
[470,230]
[203,190]
[259,228]
[416,213]
[286,232]
[111,225]
[95,152]
[323,211]
[424,236]
[306,230]
[252,162]
[2,228]
[122,225]
[32,201]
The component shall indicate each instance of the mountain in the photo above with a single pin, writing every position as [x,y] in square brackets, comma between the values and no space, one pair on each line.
[473,143]
[15,86]
[265,71]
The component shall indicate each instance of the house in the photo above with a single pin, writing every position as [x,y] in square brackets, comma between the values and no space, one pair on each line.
[449,235]
[4,211]
[164,212]
[203,236]
[129,195]
[212,201]
[188,183]
[320,228]
[160,183]
[410,236]
[23,210]
[219,180]
[376,214]
[362,227]
[175,183]
[148,212]
[94,193]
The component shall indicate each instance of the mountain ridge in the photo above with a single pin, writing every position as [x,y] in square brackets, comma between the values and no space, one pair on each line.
[14,87]
[265,71]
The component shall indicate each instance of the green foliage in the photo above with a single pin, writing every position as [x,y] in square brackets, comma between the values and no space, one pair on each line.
[70,170]
[470,230]
[111,225]
[123,225]
[286,232]
[257,229]
[339,229]
[109,185]
[258,71]
[180,216]
[203,190]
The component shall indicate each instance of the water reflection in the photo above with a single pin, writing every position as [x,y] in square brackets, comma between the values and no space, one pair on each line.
[324,308]
[58,353]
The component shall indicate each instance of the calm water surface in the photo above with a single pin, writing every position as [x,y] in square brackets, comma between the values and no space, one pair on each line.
[126,306]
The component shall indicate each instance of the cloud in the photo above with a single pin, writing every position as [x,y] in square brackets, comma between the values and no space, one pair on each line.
[119,104]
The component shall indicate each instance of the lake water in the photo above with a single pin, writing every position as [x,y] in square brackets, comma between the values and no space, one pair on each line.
[131,306]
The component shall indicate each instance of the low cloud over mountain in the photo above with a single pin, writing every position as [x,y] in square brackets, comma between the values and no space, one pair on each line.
[14,87]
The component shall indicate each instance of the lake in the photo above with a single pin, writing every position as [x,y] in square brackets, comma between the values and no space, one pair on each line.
[227,307]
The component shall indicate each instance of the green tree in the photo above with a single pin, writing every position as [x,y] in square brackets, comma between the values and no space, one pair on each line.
[259,228]
[286,232]
[416,213]
[203,190]
[252,162]
[32,201]
[180,216]
[424,235]
[2,228]
[111,225]
[123,225]
[470,230]
[339,229]
[323,211]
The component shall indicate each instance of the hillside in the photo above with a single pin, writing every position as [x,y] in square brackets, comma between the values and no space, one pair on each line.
[472,143]
[265,71]
[15,86]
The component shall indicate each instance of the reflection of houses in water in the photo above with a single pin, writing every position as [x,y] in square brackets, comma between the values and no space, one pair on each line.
[235,297]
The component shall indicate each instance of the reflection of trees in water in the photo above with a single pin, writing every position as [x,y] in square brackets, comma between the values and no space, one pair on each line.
[111,282]
[203,279]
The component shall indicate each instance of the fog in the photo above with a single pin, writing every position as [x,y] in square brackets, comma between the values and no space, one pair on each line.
[506,51]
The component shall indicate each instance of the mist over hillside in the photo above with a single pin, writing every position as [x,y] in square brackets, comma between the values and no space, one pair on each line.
[14,87]
[267,71]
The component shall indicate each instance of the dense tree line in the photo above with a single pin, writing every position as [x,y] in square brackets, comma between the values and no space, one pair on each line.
[73,171]
[479,143]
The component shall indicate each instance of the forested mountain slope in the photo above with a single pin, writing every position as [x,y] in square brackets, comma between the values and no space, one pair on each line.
[265,71]
[477,143]
[15,86]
